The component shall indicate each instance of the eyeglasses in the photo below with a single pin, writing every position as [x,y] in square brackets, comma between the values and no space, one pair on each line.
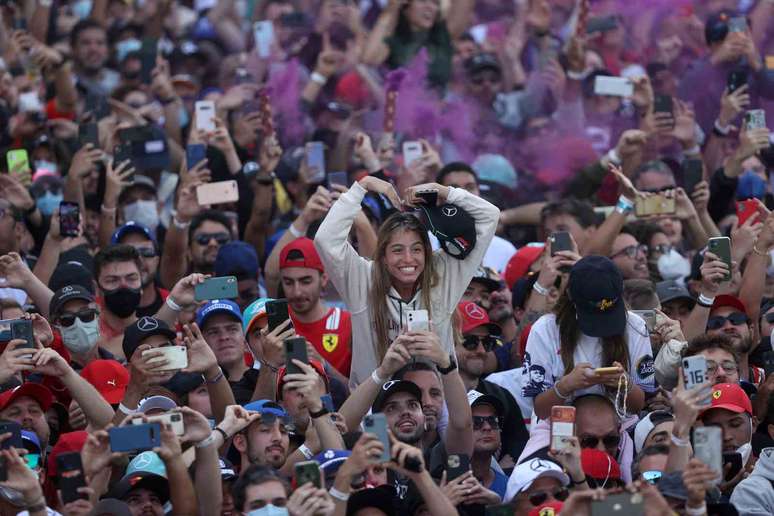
[147,252]
[471,342]
[67,319]
[539,498]
[220,238]
[609,441]
[718,321]
[631,251]
[652,477]
[661,249]
[727,365]
[492,421]
[769,316]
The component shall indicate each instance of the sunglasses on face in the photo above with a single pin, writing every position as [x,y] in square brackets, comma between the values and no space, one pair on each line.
[492,421]
[220,238]
[769,317]
[539,498]
[631,251]
[609,441]
[86,315]
[718,321]
[471,342]
[146,252]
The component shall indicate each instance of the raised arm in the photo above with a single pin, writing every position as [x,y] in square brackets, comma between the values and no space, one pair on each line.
[376,50]
[459,17]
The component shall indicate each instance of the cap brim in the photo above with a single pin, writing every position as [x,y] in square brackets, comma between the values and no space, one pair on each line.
[726,406]
[553,473]
[151,481]
[605,324]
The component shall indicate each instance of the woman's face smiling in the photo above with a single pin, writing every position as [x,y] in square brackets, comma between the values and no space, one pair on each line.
[405,258]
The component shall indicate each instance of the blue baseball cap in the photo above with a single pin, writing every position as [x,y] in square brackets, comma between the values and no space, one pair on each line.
[253,312]
[266,407]
[30,438]
[330,460]
[131,227]
[218,306]
[237,258]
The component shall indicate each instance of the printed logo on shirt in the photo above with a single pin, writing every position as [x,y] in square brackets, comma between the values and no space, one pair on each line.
[645,367]
[330,341]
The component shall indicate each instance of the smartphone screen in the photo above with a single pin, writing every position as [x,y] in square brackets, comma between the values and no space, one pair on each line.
[307,472]
[412,151]
[315,161]
[69,219]
[18,161]
[263,32]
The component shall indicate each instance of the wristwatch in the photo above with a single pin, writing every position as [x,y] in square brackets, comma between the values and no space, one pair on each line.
[319,413]
[451,367]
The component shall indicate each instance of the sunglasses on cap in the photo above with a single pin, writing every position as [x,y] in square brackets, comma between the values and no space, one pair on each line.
[539,498]
[769,317]
[652,477]
[67,319]
[220,238]
[718,321]
[492,421]
[268,418]
[471,342]
[609,441]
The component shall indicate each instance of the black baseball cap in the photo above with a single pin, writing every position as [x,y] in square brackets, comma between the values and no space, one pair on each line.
[394,387]
[68,293]
[482,61]
[378,497]
[140,330]
[596,288]
[454,228]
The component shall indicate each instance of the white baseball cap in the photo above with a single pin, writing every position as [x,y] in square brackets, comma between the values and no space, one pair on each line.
[527,472]
[646,426]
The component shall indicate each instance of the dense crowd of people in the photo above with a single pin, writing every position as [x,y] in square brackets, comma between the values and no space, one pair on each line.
[386,257]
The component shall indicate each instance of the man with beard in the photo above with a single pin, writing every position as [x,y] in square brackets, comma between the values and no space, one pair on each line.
[303,280]
[480,336]
[90,53]
[265,441]
[138,236]
[630,257]
[728,316]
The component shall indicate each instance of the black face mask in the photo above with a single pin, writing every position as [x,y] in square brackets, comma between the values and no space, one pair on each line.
[122,301]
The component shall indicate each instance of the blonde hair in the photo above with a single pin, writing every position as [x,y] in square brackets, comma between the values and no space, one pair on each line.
[381,281]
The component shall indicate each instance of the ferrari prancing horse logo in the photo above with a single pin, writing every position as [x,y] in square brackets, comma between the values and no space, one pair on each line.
[330,341]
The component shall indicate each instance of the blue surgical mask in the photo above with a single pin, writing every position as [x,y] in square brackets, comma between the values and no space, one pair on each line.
[269,510]
[81,9]
[48,203]
[750,185]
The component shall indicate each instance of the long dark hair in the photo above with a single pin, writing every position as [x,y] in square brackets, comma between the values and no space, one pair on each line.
[614,349]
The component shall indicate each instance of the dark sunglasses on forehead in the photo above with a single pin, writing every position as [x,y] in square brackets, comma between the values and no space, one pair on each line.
[492,421]
[539,498]
[471,342]
[268,419]
[718,321]
[609,441]
[220,238]
[67,319]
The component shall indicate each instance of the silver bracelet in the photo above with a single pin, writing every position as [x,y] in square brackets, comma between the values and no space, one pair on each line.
[205,442]
[295,232]
[338,495]
[126,410]
[377,380]
[562,396]
[306,452]
[172,305]
[540,289]
[180,225]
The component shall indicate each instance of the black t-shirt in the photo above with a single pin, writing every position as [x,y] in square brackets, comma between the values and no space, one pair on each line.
[151,309]
[243,388]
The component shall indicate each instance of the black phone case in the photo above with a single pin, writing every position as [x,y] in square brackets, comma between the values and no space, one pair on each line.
[295,348]
[70,476]
[277,313]
[692,174]
[88,133]
[456,466]
[15,441]
[663,104]
[22,329]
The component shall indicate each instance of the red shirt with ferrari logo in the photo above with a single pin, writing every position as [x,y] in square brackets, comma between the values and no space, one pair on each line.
[331,336]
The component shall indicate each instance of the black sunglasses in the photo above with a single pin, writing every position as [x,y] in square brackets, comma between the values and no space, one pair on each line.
[471,342]
[769,317]
[67,319]
[718,321]
[493,421]
[220,238]
[539,498]
[146,252]
[609,441]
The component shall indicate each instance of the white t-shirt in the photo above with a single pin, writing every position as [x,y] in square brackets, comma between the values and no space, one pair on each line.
[543,363]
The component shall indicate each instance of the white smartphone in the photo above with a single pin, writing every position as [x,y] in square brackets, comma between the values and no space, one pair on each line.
[205,115]
[708,447]
[417,320]
[412,151]
[694,372]
[173,418]
[176,355]
[613,86]
[263,32]
[217,193]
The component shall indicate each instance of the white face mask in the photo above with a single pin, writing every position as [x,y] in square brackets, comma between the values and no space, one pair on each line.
[269,510]
[81,337]
[745,450]
[143,212]
[673,266]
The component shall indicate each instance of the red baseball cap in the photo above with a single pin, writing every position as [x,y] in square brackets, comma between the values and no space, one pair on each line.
[317,367]
[36,391]
[520,263]
[730,396]
[109,378]
[474,316]
[724,300]
[69,442]
[547,509]
[599,465]
[300,253]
